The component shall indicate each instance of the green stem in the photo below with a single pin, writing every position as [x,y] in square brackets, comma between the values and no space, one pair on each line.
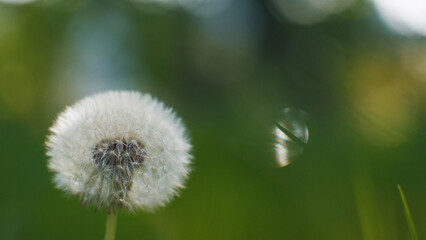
[111,225]
[408,215]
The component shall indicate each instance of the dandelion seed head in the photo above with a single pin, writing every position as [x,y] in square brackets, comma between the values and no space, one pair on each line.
[119,149]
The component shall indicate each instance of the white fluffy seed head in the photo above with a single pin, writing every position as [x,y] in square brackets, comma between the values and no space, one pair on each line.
[119,149]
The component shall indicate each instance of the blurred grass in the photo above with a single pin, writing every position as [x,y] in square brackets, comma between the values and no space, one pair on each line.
[408,217]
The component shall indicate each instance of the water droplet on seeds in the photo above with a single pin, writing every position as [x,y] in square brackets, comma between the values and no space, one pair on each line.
[291,136]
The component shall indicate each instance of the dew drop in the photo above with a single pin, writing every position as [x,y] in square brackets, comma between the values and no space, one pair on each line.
[291,136]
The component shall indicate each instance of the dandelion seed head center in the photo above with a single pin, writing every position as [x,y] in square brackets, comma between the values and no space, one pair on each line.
[125,154]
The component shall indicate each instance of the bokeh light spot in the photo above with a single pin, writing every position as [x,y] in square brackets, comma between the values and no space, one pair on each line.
[405,17]
[310,11]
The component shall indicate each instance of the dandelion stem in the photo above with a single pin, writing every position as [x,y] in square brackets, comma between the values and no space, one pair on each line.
[111,225]
[408,215]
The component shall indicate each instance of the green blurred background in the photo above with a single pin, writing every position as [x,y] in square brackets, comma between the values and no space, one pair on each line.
[229,68]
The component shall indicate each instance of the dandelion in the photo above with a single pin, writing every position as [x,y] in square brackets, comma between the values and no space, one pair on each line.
[119,150]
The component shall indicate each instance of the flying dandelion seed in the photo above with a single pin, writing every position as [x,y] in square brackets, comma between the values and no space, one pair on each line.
[119,150]
[291,136]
